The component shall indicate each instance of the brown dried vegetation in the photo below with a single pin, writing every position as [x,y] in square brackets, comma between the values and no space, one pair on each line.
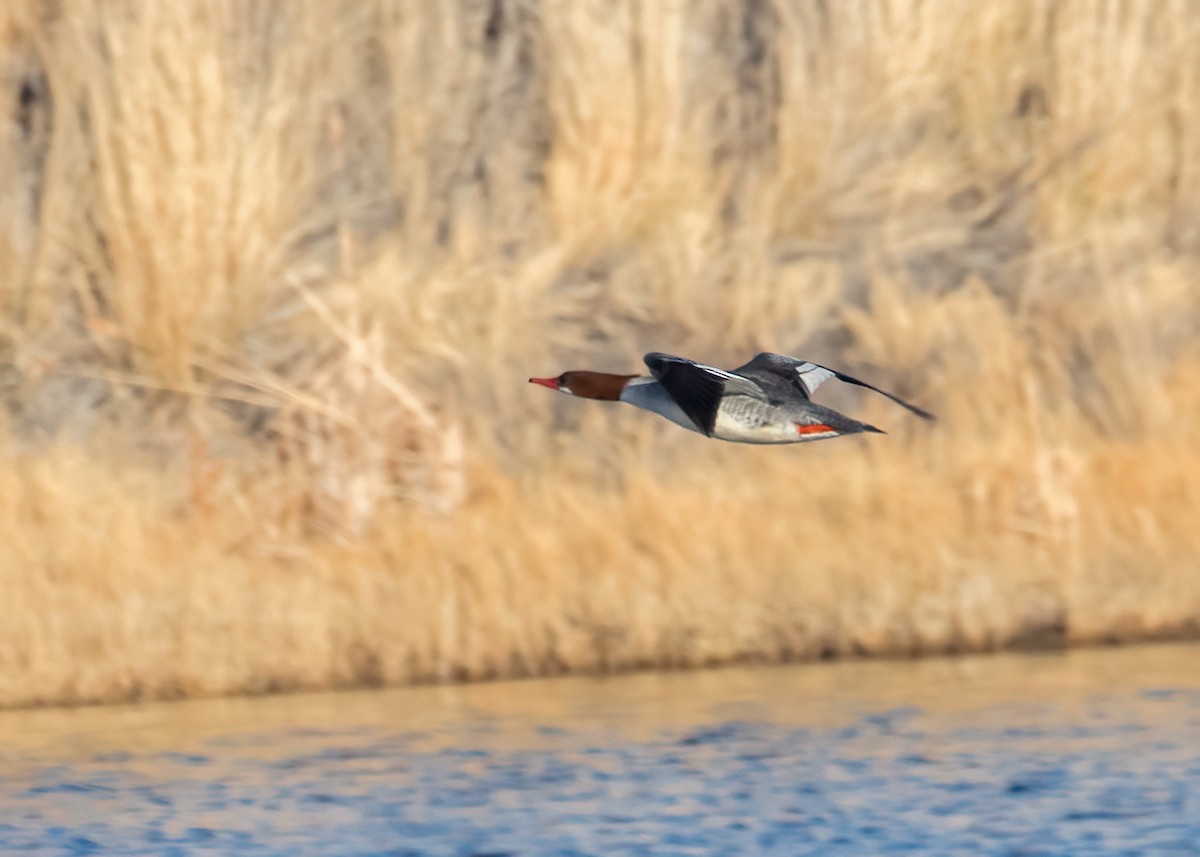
[274,274]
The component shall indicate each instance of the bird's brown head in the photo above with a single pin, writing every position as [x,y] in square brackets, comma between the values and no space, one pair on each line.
[587,384]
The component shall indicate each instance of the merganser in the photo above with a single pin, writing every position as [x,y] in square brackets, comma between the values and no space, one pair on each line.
[768,400]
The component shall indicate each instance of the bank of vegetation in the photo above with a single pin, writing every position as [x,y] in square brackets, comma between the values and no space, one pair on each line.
[273,276]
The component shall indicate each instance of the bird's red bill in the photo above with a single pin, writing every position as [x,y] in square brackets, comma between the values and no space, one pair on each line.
[817,429]
[552,383]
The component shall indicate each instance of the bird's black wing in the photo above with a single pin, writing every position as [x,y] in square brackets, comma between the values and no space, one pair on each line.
[695,387]
[806,377]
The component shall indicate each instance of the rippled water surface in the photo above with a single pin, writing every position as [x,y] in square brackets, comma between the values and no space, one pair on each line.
[1089,752]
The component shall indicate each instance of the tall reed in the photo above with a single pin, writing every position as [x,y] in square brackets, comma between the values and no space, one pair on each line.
[274,275]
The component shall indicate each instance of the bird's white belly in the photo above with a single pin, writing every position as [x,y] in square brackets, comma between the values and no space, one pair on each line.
[735,427]
[739,420]
[649,395]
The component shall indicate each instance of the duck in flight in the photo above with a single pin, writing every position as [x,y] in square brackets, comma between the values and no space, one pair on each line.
[768,400]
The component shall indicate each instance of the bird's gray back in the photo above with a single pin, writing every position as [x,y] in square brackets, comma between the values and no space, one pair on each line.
[775,374]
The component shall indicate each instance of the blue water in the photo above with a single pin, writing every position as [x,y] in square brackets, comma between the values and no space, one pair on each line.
[1033,755]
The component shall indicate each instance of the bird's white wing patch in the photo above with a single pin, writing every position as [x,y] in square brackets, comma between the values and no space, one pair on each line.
[813,376]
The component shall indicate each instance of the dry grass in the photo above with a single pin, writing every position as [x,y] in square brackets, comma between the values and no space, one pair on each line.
[274,275]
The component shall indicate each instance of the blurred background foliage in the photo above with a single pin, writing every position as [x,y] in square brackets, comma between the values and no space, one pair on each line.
[273,276]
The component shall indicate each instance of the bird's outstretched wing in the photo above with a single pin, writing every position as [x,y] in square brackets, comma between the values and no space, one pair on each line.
[697,388]
[807,377]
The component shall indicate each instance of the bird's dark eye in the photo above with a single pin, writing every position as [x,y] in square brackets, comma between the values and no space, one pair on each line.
[562,379]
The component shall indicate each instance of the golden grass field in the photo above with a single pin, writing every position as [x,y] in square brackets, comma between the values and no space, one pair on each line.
[274,276]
